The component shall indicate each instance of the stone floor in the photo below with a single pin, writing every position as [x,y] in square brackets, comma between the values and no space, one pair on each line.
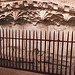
[6,71]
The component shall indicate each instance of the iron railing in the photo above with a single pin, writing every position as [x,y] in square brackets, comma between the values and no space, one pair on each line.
[38,52]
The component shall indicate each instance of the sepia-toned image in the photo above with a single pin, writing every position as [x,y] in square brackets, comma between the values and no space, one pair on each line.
[37,37]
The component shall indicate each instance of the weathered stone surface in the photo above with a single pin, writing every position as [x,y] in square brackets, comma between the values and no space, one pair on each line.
[37,11]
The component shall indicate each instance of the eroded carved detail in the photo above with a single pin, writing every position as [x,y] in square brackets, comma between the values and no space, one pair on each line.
[35,12]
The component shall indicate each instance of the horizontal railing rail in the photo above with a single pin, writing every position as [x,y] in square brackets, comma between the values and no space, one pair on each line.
[36,39]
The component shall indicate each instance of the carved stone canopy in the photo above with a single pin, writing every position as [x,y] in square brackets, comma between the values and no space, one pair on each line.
[49,13]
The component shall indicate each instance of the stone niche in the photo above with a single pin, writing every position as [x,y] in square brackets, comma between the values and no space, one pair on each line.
[41,16]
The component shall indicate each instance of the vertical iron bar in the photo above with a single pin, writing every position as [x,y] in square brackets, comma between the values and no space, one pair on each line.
[74,69]
[67,54]
[33,49]
[71,55]
[12,50]
[9,50]
[29,50]
[45,53]
[40,49]
[3,50]
[57,54]
[0,49]
[49,53]
[62,52]
[53,52]
[26,49]
[1,54]
[15,48]
[6,50]
[22,48]
[19,48]
[36,50]
[0,43]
